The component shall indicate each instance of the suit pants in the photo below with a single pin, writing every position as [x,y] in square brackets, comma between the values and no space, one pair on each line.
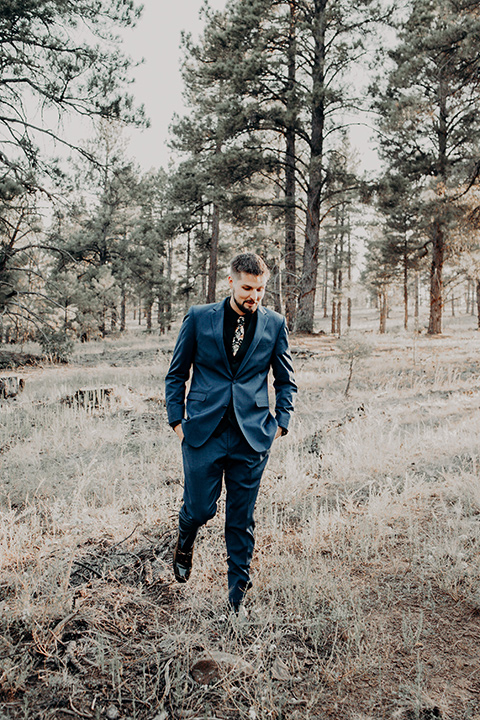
[227,456]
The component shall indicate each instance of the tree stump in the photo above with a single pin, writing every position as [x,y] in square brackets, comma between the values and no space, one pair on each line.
[89,398]
[10,387]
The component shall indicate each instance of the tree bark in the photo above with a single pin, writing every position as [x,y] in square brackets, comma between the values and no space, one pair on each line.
[113,318]
[436,280]
[405,283]
[308,280]
[325,282]
[438,246]
[339,303]
[349,276]
[417,296]
[168,303]
[341,218]
[148,313]
[478,303]
[212,266]
[187,269]
[383,311]
[333,320]
[123,311]
[276,281]
[290,182]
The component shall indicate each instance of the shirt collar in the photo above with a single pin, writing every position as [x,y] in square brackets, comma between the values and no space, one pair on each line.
[233,316]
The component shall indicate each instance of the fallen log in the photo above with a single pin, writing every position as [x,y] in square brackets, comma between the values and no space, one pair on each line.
[12,360]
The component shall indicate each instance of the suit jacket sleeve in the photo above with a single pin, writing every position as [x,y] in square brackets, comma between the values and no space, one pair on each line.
[284,382]
[179,371]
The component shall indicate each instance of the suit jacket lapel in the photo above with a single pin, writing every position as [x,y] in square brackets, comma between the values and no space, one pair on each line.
[262,320]
[217,325]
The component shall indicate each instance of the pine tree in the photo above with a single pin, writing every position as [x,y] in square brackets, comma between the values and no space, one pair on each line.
[430,121]
[50,58]
[278,68]
[96,238]
[146,267]
[404,237]
[60,58]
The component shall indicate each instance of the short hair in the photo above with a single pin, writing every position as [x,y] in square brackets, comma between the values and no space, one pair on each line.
[249,263]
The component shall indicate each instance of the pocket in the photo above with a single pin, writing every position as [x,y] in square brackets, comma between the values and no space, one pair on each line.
[261,399]
[196,395]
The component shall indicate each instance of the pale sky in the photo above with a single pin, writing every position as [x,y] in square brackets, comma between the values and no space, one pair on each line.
[158,84]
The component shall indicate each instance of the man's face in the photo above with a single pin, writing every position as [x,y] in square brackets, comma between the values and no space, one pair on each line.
[247,291]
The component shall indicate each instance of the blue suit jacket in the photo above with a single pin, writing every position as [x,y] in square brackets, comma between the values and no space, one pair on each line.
[200,347]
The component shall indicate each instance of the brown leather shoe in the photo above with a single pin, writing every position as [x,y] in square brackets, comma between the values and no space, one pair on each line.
[182,564]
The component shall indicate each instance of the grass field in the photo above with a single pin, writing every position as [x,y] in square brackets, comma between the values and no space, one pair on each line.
[366,597]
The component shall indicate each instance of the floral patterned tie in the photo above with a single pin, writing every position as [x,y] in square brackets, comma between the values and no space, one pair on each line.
[238,335]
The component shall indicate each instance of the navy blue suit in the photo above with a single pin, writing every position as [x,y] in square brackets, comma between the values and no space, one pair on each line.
[240,452]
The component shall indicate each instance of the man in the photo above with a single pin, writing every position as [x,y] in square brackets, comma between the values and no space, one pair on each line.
[228,429]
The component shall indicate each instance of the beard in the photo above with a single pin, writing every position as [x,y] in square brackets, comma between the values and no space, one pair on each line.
[248,310]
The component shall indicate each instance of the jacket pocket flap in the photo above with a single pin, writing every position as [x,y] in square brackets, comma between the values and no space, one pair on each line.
[261,399]
[196,395]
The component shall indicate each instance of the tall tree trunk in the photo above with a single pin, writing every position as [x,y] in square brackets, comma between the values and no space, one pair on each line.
[438,246]
[333,321]
[213,260]
[290,186]
[339,303]
[213,263]
[349,276]
[113,318]
[161,314]
[325,282]
[417,296]
[187,270]
[308,280]
[478,303]
[276,281]
[123,310]
[405,282]
[436,280]
[341,217]
[103,318]
[148,313]
[383,310]
[168,303]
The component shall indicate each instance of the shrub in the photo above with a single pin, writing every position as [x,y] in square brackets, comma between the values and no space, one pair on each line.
[56,345]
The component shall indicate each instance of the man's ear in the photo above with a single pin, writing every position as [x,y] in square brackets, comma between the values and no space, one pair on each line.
[230,281]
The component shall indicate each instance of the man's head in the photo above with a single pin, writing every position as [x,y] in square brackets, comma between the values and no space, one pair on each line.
[247,279]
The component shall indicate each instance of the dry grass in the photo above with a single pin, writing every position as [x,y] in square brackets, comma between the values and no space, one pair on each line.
[366,571]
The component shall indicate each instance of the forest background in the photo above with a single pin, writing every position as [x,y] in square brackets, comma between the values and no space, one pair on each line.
[277,97]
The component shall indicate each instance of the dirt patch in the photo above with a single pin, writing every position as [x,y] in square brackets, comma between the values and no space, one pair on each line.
[105,656]
[422,642]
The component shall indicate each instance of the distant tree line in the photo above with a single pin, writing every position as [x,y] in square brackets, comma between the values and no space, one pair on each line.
[264,161]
